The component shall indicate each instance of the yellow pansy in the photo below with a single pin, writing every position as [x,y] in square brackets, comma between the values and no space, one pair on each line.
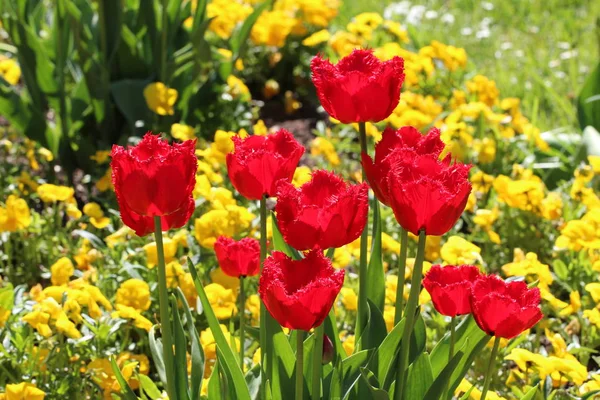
[222,301]
[23,391]
[458,251]
[317,38]
[51,193]
[160,98]
[62,270]
[183,132]
[302,175]
[170,250]
[125,312]
[15,215]
[134,293]
[349,299]
[321,146]
[97,218]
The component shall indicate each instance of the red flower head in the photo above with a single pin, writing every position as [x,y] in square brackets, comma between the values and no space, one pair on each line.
[360,87]
[238,258]
[258,162]
[391,146]
[426,193]
[504,309]
[154,179]
[450,288]
[299,294]
[325,212]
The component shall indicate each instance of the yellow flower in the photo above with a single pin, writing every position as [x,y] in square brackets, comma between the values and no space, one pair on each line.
[528,266]
[134,293]
[228,282]
[209,345]
[228,222]
[97,218]
[23,391]
[226,14]
[39,321]
[221,300]
[475,394]
[458,251]
[389,313]
[552,206]
[73,211]
[301,176]
[10,70]
[170,249]
[593,316]
[120,236]
[62,270]
[581,233]
[160,98]
[105,183]
[396,29]
[341,257]
[125,312]
[485,149]
[348,343]
[183,132]
[272,28]
[321,146]
[260,129]
[103,374]
[485,219]
[253,307]
[101,157]
[317,38]
[484,88]
[220,197]
[291,105]
[237,88]
[524,194]
[344,42]
[594,163]
[15,215]
[349,299]
[51,193]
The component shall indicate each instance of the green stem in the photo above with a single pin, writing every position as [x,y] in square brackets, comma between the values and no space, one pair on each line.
[490,369]
[401,273]
[317,365]
[362,271]
[299,364]
[242,320]
[451,350]
[165,322]
[409,316]
[163,41]
[263,310]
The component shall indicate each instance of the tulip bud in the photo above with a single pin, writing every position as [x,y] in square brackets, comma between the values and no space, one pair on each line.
[327,350]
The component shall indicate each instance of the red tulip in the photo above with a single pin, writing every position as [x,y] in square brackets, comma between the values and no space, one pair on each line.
[504,309]
[154,179]
[391,146]
[428,194]
[299,294]
[258,162]
[360,87]
[450,288]
[238,258]
[325,212]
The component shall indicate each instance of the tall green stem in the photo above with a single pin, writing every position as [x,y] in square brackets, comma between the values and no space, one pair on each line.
[165,322]
[242,320]
[490,369]
[163,43]
[317,365]
[401,273]
[299,364]
[364,237]
[409,317]
[263,310]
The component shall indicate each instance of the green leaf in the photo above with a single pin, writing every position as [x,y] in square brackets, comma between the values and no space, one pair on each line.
[371,383]
[156,350]
[375,330]
[469,339]
[197,353]
[279,243]
[350,371]
[129,99]
[253,382]
[7,297]
[331,331]
[588,102]
[229,359]
[375,273]
[239,38]
[149,387]
[531,393]
[284,361]
[180,361]
[591,140]
[214,382]
[418,339]
[420,377]
[436,391]
[385,356]
[125,389]
[588,395]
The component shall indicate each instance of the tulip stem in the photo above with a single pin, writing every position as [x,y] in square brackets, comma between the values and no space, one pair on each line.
[263,311]
[409,316]
[242,318]
[364,237]
[401,274]
[165,322]
[299,364]
[317,362]
[490,369]
[451,350]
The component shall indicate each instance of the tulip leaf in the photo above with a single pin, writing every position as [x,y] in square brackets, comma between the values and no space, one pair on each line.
[588,102]
[129,99]
[418,339]
[253,382]
[125,389]
[180,361]
[375,330]
[148,386]
[279,243]
[157,355]
[284,360]
[386,354]
[438,387]
[350,370]
[214,382]
[229,360]
[420,377]
[587,395]
[533,391]
[239,39]
[370,381]
[375,273]
[197,353]
[331,331]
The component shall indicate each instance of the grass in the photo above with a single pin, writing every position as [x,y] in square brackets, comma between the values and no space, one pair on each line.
[540,50]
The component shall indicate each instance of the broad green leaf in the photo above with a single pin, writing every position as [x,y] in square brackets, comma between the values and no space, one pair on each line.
[197,353]
[125,389]
[7,297]
[370,382]
[590,394]
[350,370]
[284,361]
[331,331]
[229,381]
[375,330]
[253,382]
[591,141]
[418,339]
[129,99]
[214,383]
[180,361]
[239,38]
[375,273]
[420,377]
[156,350]
[531,393]
[588,102]
[148,386]
[279,243]
[439,385]
[228,357]
[385,357]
